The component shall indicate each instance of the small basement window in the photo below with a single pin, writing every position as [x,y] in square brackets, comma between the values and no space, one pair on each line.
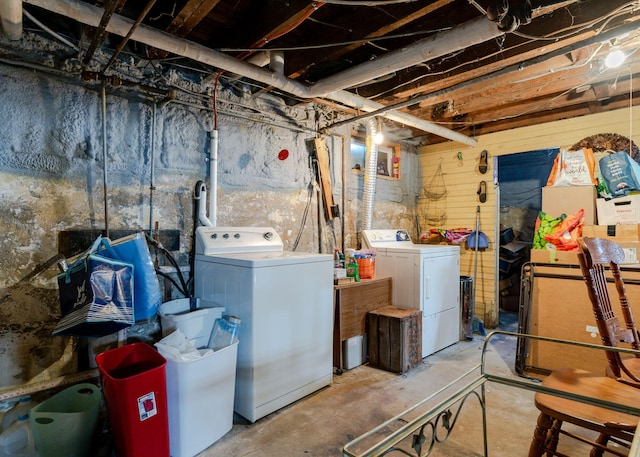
[388,158]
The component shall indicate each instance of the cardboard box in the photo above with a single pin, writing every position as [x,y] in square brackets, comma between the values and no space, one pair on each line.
[631,254]
[560,308]
[621,210]
[555,256]
[617,233]
[569,200]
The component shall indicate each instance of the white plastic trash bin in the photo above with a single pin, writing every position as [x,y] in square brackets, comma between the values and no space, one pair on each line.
[196,325]
[200,400]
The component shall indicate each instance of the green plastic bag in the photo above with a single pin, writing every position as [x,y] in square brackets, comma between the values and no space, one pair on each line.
[545,224]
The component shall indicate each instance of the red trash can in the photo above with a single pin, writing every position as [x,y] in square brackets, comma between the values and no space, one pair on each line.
[135,392]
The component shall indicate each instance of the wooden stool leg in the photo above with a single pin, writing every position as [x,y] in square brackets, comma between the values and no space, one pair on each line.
[540,435]
[603,440]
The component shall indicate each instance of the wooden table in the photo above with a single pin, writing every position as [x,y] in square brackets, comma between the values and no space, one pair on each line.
[352,303]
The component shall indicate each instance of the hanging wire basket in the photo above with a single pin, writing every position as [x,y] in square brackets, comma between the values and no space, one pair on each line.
[436,188]
[432,212]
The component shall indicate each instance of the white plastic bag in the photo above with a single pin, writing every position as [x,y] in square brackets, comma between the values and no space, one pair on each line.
[178,348]
[573,168]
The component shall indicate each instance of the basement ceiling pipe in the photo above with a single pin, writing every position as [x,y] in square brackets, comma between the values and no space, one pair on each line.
[213,177]
[444,43]
[11,15]
[91,15]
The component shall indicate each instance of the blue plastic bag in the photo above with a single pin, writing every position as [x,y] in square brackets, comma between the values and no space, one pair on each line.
[96,296]
[620,172]
[134,249]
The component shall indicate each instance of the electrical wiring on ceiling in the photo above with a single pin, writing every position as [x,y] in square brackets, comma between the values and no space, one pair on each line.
[523,113]
[367,2]
[339,43]
[628,9]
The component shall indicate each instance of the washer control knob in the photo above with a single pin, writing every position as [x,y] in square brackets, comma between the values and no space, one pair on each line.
[225,236]
[236,236]
[268,235]
[214,236]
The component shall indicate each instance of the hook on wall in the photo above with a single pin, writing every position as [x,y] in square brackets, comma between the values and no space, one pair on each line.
[459,157]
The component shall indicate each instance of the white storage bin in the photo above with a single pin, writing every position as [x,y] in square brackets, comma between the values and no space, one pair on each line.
[200,400]
[196,325]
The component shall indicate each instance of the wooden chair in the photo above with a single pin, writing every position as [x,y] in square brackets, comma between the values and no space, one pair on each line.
[595,255]
[608,425]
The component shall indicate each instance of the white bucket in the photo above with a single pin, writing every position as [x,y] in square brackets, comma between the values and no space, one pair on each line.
[196,325]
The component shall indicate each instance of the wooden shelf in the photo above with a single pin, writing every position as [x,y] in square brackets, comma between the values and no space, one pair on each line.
[352,303]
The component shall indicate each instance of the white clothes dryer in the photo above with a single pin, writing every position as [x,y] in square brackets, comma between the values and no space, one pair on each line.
[424,277]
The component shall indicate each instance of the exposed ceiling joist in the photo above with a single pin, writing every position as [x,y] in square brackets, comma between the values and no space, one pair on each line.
[438,67]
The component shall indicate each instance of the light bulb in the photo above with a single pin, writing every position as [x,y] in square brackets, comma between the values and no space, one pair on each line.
[378,138]
[614,59]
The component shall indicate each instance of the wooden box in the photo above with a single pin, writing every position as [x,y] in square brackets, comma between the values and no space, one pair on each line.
[394,338]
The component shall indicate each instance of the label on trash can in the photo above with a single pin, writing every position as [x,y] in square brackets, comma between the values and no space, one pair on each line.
[147,406]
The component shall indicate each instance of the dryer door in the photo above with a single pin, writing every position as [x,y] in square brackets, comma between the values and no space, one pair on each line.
[440,298]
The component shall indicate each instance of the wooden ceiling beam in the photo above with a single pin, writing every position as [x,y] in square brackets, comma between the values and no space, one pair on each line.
[388,28]
[185,21]
[439,83]
[561,101]
[538,118]
[190,16]
[505,91]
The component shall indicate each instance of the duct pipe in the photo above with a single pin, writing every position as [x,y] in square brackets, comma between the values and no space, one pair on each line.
[213,177]
[91,15]
[259,59]
[11,15]
[276,62]
[201,200]
[370,171]
[465,35]
[361,103]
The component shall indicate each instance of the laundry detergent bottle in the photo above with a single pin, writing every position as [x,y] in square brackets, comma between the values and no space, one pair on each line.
[353,270]
[22,407]
[17,440]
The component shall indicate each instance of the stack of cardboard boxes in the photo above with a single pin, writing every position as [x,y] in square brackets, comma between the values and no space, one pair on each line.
[559,305]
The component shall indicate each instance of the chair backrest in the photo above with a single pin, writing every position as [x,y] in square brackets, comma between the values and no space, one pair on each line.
[596,254]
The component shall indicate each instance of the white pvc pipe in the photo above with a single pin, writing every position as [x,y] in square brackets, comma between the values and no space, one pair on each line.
[361,103]
[11,15]
[121,26]
[276,62]
[470,33]
[370,172]
[201,199]
[213,178]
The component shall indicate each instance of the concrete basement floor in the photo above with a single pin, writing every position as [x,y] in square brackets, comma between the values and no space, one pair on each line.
[362,398]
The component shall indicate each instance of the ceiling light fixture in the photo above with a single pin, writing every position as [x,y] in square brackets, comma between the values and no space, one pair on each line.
[614,59]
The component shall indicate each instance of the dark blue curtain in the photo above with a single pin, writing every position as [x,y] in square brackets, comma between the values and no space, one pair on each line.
[521,177]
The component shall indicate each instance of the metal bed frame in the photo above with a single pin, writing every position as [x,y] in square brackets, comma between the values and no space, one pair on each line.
[529,273]
[434,426]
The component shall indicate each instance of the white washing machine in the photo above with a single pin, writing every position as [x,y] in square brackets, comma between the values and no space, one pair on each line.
[424,277]
[285,303]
